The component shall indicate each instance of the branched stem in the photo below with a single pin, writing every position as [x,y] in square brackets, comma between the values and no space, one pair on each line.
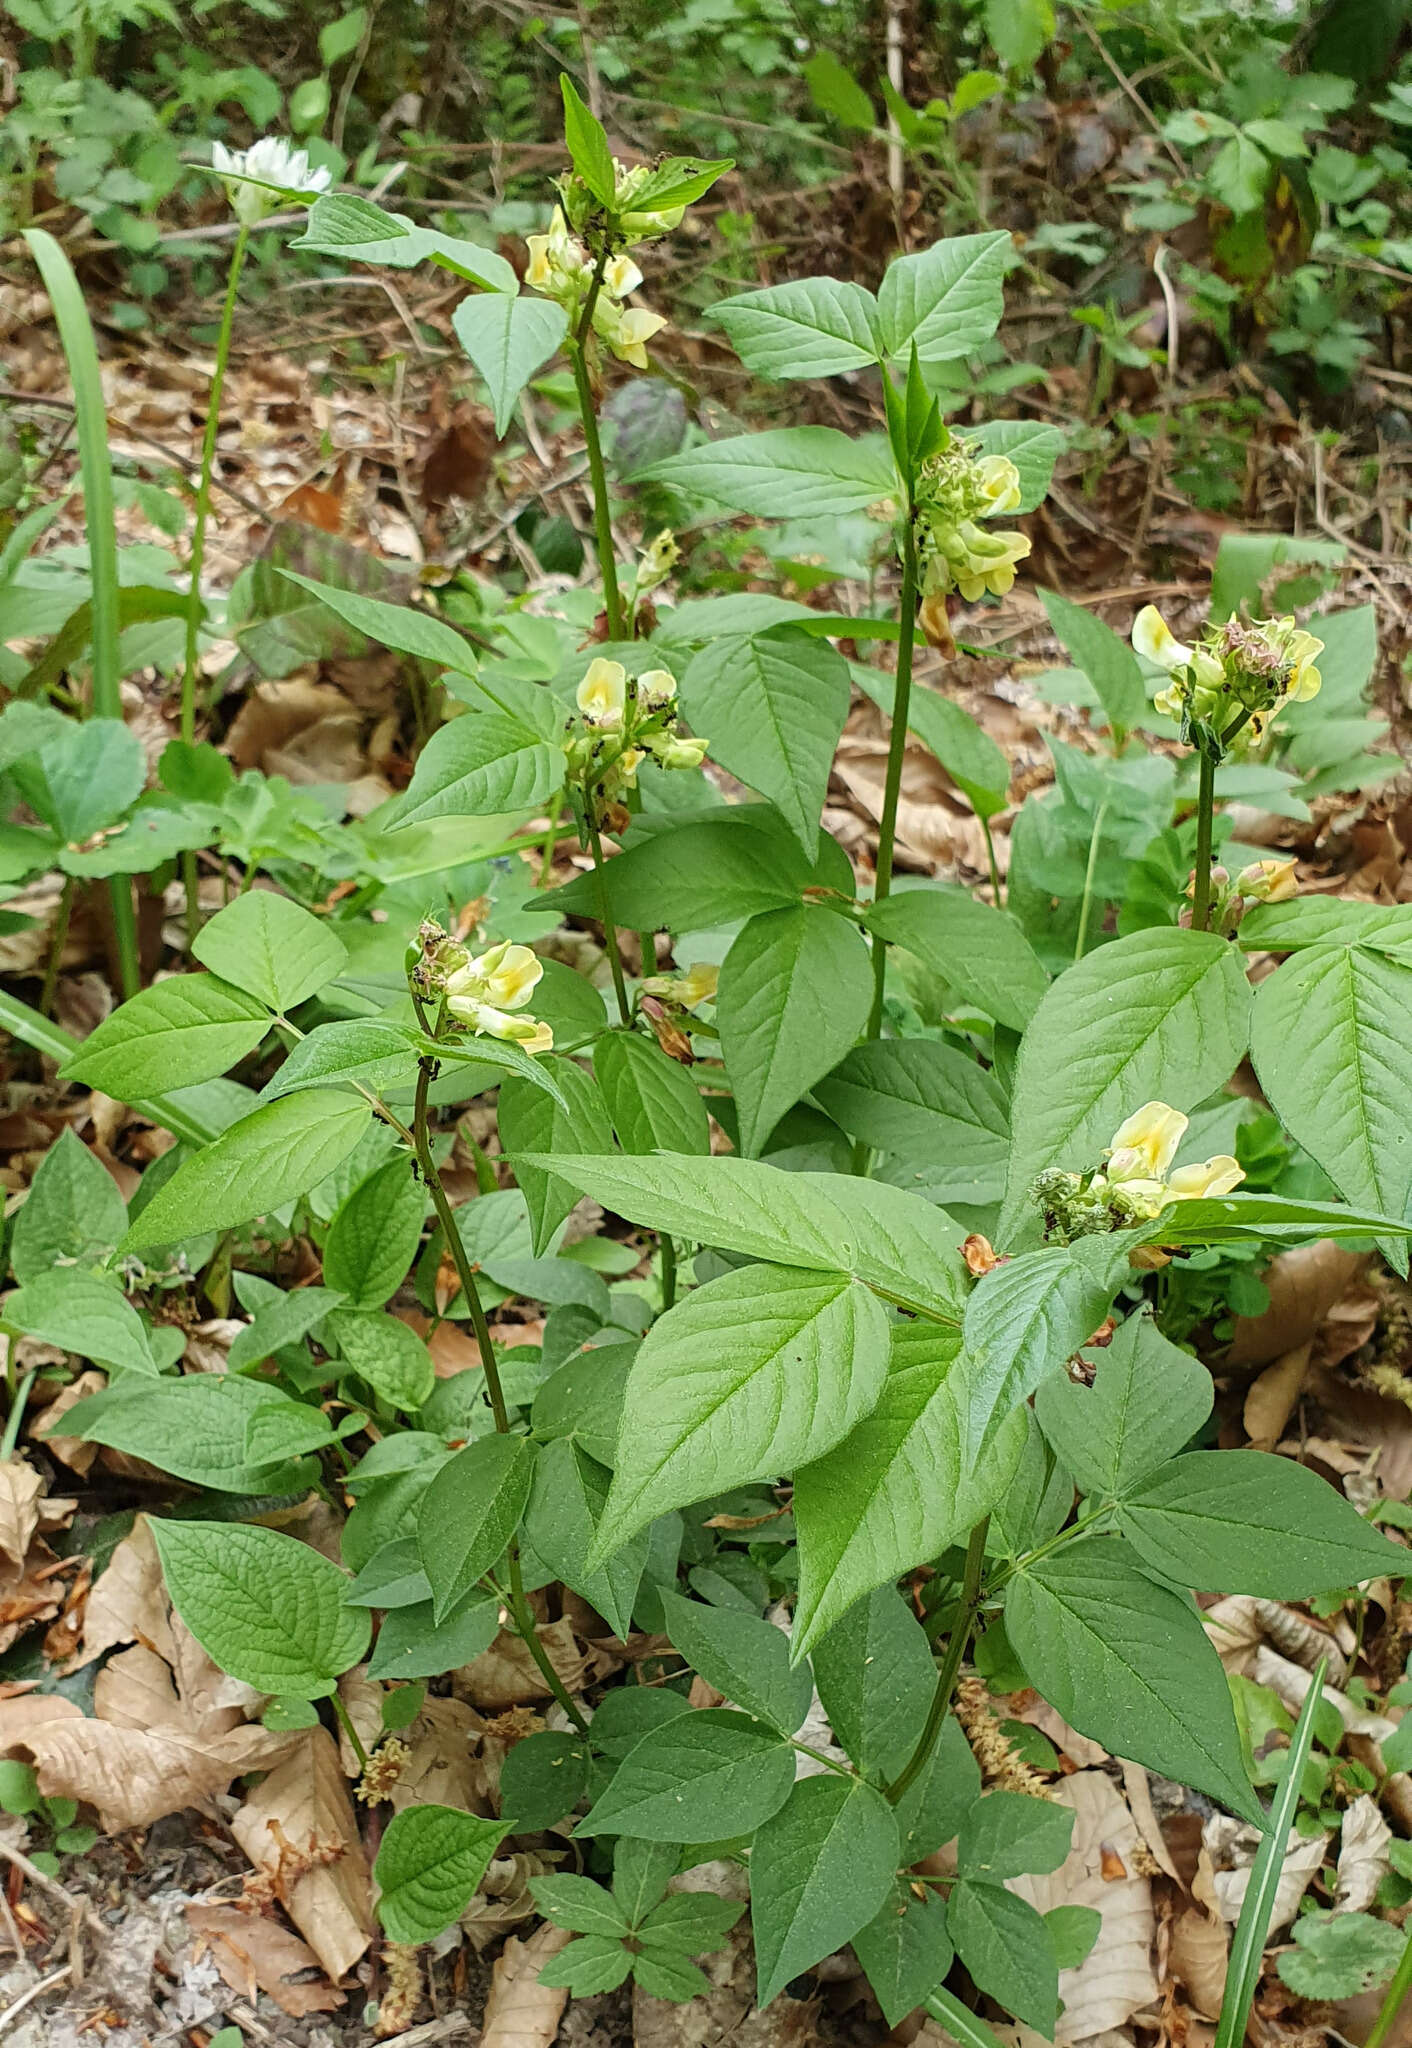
[950,1668]
[520,1610]
[598,476]
[1205,805]
[605,912]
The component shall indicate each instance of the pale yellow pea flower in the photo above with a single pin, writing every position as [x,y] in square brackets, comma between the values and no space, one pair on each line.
[656,688]
[1268,881]
[1216,1176]
[1145,1144]
[603,693]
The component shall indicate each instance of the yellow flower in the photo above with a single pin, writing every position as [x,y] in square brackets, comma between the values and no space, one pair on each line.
[1153,638]
[659,558]
[541,1039]
[621,276]
[603,693]
[1145,1145]
[504,978]
[999,482]
[490,1022]
[1213,1177]
[1302,651]
[656,688]
[1268,881]
[558,264]
[626,329]
[698,984]
[983,561]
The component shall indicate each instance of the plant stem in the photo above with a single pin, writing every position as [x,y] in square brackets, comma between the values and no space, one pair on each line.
[897,748]
[995,888]
[1392,1999]
[345,1722]
[950,1668]
[519,1606]
[198,546]
[605,913]
[598,476]
[1086,907]
[56,945]
[1205,804]
[669,1272]
[16,1415]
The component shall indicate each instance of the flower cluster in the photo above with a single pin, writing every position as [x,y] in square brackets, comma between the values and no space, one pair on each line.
[1135,1179]
[628,224]
[265,177]
[622,722]
[561,267]
[1262,881]
[1236,679]
[485,992]
[957,489]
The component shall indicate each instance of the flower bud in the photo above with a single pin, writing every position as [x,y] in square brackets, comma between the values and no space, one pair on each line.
[1268,881]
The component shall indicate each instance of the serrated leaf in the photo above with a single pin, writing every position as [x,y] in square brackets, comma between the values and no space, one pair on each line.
[480,765]
[1128,1663]
[900,1487]
[905,1950]
[470,1512]
[188,1028]
[819,1870]
[348,226]
[542,1779]
[72,1216]
[411,1644]
[793,995]
[1148,1400]
[532,1121]
[1161,1015]
[744,1658]
[980,951]
[1033,448]
[1249,1522]
[429,1864]
[812,327]
[402,627]
[588,145]
[562,1523]
[259,1164]
[580,1905]
[947,300]
[784,473]
[939,1116]
[1011,1834]
[773,706]
[703,1777]
[747,1377]
[284,1320]
[652,1101]
[267,1608]
[268,946]
[965,750]
[508,339]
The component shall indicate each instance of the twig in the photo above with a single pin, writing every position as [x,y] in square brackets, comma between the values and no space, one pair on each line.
[76,1909]
[1149,119]
[26,1998]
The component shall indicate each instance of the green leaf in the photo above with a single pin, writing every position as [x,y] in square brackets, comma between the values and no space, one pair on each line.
[429,1864]
[679,181]
[744,1658]
[981,952]
[1256,1219]
[188,1028]
[542,1779]
[268,946]
[1005,1945]
[641,1872]
[532,1121]
[1328,921]
[773,705]
[580,1905]
[81,1313]
[1107,661]
[967,752]
[1148,1400]
[1026,1316]
[1332,1048]
[652,1101]
[1010,1834]
[284,1320]
[930,1813]
[1073,1930]
[834,90]
[387,1354]
[592,1964]
[266,1607]
[562,1524]
[259,1164]
[1340,1955]
[748,1376]
[1239,174]
[286,1429]
[72,1216]
[194,1428]
[793,996]
[470,1512]
[703,1777]
[900,1487]
[819,1870]
[1161,1015]
[381,1056]
[350,227]
[813,327]
[905,1950]
[508,339]
[1128,1663]
[401,627]
[1249,1522]
[411,1644]
[84,778]
[947,300]
[1019,30]
[588,145]
[481,765]
[940,1116]
[876,1678]
[896,1243]
[374,1235]
[784,473]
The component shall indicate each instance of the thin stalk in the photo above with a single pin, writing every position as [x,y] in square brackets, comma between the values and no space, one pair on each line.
[56,945]
[1205,805]
[198,545]
[897,748]
[1392,1999]
[669,1271]
[519,1606]
[345,1722]
[81,353]
[950,1668]
[551,840]
[16,1416]
[605,914]
[647,941]
[1085,909]
[598,476]
[995,888]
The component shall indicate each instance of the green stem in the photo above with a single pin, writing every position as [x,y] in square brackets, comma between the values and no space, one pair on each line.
[950,1668]
[1205,806]
[995,888]
[16,1416]
[605,912]
[519,1606]
[598,476]
[897,748]
[669,1272]
[551,840]
[1086,906]
[198,546]
[1393,1997]
[345,1722]
[56,945]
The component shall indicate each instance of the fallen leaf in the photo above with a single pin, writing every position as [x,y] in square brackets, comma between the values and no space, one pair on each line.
[1232,1844]
[1139,1796]
[503,1899]
[254,1953]
[128,1602]
[1362,1855]
[1303,1285]
[303,1808]
[506,1675]
[520,2011]
[74,1451]
[1116,1978]
[1197,1958]
[1272,1395]
[21,1491]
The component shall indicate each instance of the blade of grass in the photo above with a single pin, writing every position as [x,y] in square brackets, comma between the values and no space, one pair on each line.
[45,1037]
[81,353]
[959,2021]
[1248,1947]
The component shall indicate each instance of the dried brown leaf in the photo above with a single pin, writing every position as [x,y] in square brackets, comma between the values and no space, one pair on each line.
[129,1602]
[1303,1285]
[255,1953]
[1231,1846]
[1272,1395]
[74,1451]
[1362,1855]
[520,2011]
[21,1493]
[506,1675]
[303,1808]
[1198,1957]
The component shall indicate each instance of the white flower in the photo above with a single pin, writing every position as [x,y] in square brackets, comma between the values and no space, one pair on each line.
[261,179]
